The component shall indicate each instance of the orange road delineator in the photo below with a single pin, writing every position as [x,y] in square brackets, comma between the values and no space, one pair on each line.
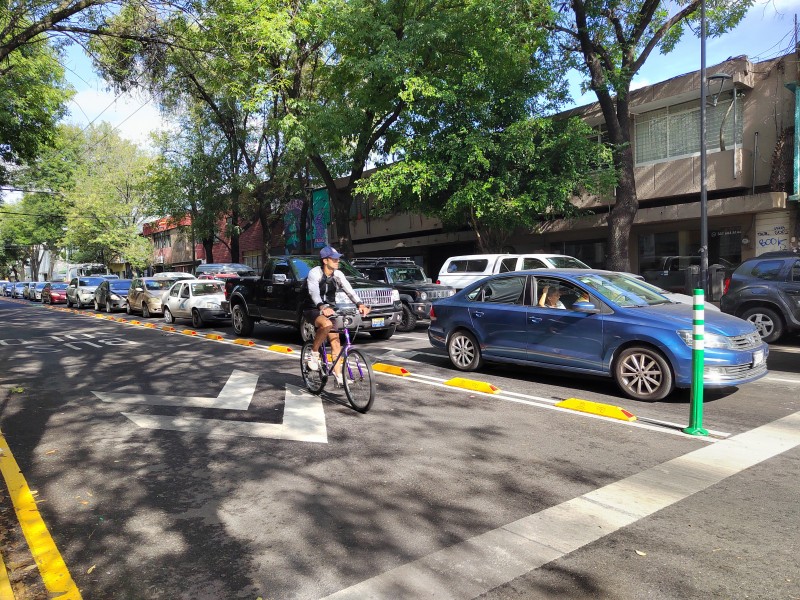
[391,369]
[279,348]
[596,408]
[189,332]
[242,342]
[214,336]
[471,384]
[150,325]
[167,328]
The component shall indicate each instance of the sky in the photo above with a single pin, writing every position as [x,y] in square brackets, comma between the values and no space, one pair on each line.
[766,32]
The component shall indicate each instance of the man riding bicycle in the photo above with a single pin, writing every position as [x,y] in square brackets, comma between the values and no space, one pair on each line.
[323,283]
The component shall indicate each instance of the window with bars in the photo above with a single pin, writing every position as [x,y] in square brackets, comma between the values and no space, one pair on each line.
[674,131]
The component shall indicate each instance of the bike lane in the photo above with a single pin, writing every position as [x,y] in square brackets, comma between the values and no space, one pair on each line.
[146,512]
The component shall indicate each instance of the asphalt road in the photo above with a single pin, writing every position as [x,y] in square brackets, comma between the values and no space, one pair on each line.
[157,492]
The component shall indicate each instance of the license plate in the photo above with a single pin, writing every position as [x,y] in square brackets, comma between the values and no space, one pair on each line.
[377,322]
[758,358]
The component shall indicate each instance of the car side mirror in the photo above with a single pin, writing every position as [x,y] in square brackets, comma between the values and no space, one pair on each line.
[279,278]
[585,307]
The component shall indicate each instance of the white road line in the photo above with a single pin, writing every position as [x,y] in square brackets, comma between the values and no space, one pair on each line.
[486,561]
[548,404]
[781,379]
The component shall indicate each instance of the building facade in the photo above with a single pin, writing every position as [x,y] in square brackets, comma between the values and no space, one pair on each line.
[750,116]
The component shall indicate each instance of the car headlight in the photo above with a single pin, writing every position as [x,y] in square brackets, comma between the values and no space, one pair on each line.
[395,296]
[212,305]
[423,296]
[710,340]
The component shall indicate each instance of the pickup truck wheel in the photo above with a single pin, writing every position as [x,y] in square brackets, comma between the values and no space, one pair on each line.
[307,330]
[767,322]
[242,323]
[409,320]
[384,334]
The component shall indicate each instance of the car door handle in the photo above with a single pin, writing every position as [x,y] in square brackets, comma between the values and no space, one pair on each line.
[477,313]
[535,319]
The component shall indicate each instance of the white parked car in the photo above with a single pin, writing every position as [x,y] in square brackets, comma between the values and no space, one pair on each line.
[461,271]
[197,299]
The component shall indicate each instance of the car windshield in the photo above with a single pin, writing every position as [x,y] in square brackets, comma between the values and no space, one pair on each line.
[623,290]
[206,288]
[40,286]
[567,262]
[89,281]
[158,284]
[58,286]
[409,274]
[239,269]
[120,285]
[303,264]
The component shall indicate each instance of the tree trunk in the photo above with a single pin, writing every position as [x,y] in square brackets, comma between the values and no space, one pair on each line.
[620,221]
[342,200]
[208,246]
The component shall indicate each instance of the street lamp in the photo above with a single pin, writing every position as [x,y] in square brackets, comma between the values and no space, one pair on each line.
[703,152]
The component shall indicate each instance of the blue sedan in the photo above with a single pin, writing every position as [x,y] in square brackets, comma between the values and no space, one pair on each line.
[595,322]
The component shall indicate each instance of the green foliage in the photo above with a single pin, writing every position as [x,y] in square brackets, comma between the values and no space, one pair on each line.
[110,200]
[33,97]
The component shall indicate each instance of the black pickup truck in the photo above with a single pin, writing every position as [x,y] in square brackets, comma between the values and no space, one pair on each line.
[278,296]
[416,290]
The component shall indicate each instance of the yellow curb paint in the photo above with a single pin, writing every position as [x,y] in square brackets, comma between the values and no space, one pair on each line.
[214,336]
[391,369]
[596,408]
[6,593]
[189,332]
[52,567]
[471,384]
[279,348]
[242,342]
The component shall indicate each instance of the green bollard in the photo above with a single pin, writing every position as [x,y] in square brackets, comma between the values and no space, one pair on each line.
[698,358]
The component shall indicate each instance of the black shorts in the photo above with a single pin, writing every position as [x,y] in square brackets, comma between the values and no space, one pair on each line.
[311,315]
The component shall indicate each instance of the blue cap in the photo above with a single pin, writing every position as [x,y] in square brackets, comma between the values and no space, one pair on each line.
[329,252]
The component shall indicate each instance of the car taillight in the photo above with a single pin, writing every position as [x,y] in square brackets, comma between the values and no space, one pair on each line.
[726,286]
[438,282]
[432,314]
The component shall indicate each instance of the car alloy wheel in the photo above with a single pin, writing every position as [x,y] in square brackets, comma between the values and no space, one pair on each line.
[767,322]
[643,374]
[464,351]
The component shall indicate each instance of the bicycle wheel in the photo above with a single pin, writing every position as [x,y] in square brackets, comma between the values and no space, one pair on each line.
[313,380]
[359,381]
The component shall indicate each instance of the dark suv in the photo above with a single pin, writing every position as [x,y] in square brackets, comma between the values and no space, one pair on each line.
[415,289]
[765,290]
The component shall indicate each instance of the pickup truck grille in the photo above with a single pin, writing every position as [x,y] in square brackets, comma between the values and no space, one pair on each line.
[375,297]
[436,294]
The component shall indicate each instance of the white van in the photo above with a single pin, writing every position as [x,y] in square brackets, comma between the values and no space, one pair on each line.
[460,271]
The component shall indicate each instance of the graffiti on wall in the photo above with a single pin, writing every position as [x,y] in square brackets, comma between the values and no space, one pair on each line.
[774,237]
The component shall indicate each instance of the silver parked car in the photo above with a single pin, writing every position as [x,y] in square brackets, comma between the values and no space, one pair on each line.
[198,300]
[80,291]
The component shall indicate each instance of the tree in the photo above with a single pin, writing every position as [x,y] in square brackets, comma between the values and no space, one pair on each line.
[110,200]
[33,98]
[496,181]
[609,42]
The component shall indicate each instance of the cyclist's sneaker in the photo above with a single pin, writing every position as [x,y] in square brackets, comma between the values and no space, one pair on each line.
[339,380]
[313,361]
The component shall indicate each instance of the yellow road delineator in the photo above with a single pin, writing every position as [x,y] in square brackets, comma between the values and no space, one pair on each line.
[391,369]
[279,348]
[242,342]
[150,325]
[214,336]
[596,408]
[99,316]
[167,328]
[53,569]
[132,321]
[471,384]
[189,332]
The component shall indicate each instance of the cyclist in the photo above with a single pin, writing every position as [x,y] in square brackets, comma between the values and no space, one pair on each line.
[323,283]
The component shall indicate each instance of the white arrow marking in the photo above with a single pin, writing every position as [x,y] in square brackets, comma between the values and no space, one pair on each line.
[236,395]
[303,421]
